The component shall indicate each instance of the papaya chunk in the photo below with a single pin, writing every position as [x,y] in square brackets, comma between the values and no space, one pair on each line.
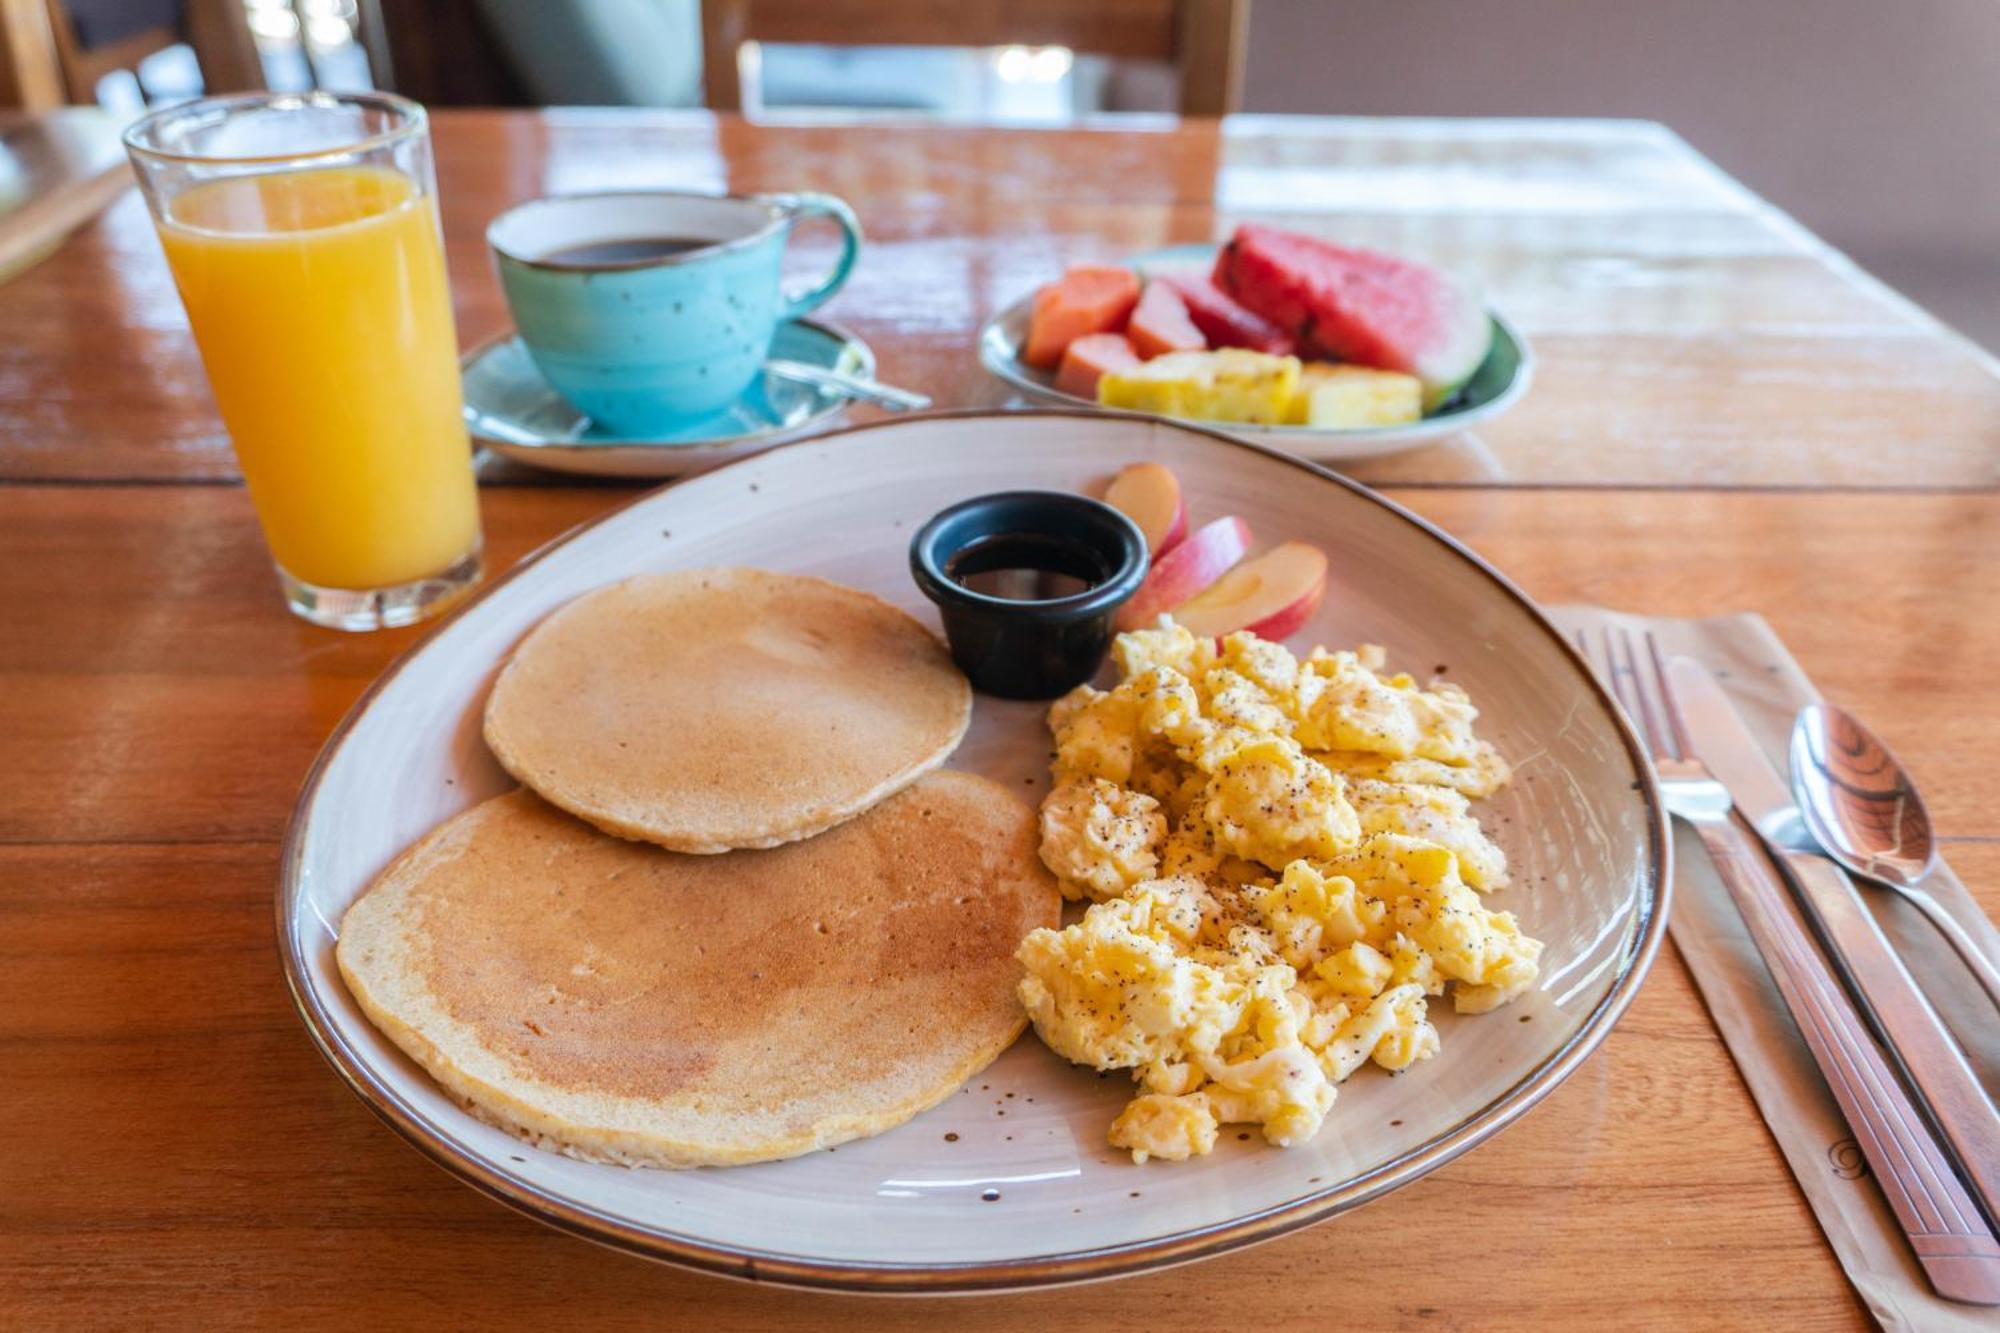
[1087,299]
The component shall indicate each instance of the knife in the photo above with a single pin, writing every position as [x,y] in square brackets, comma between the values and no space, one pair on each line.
[1915,1039]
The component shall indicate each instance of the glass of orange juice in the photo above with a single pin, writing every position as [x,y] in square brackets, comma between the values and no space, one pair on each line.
[302,231]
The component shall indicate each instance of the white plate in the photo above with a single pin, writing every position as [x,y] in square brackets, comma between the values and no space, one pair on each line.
[910,1209]
[1496,386]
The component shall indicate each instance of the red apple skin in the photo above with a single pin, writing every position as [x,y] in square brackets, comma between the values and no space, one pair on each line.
[1181,573]
[1284,623]
[1177,531]
[1132,493]
[1272,611]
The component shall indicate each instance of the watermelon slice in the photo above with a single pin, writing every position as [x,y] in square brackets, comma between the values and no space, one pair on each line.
[1223,320]
[1360,306]
[1160,324]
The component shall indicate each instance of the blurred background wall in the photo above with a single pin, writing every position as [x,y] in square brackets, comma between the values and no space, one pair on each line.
[1876,123]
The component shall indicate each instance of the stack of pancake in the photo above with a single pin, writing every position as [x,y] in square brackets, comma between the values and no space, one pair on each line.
[733,914]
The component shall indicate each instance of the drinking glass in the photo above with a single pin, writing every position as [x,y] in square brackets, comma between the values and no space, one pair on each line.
[302,230]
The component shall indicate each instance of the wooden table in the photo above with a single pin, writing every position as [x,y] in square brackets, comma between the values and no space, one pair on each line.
[58,169]
[1729,415]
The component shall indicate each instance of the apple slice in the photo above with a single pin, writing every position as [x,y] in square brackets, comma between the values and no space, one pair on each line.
[1192,565]
[1271,596]
[1150,495]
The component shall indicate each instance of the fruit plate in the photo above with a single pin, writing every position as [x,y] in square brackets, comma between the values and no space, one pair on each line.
[1010,1182]
[1495,386]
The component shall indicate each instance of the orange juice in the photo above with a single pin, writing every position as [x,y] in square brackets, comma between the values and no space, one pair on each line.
[320,304]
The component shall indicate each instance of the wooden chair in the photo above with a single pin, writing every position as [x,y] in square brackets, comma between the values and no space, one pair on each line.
[46,61]
[1204,39]
[30,70]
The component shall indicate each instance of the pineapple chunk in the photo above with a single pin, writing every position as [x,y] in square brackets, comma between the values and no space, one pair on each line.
[1229,384]
[1343,397]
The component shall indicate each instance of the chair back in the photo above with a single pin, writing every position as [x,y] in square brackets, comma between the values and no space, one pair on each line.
[1203,39]
[57,51]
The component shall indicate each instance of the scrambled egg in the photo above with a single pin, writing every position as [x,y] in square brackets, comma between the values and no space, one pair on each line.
[1283,868]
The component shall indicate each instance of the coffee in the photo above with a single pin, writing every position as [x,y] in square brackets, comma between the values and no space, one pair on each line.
[1027,567]
[632,250]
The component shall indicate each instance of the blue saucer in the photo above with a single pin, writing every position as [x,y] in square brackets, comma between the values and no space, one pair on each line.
[513,411]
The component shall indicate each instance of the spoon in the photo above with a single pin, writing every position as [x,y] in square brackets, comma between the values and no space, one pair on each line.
[1865,813]
[852,386]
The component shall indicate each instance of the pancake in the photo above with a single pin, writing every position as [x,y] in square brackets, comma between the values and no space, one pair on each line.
[620,1003]
[724,708]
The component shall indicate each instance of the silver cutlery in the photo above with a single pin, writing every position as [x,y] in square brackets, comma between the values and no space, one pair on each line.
[851,386]
[1953,1243]
[1864,811]
[1916,1038]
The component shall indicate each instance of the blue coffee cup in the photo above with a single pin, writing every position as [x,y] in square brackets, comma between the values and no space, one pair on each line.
[650,310]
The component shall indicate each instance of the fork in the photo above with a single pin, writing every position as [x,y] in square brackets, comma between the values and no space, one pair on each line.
[1949,1236]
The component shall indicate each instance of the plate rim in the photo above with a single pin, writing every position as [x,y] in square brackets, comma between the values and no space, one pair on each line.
[1352,442]
[775,434]
[1101,1262]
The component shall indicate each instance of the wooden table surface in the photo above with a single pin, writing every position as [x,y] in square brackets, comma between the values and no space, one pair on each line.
[57,171]
[1728,416]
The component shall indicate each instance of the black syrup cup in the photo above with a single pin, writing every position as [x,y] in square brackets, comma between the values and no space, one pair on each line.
[1030,649]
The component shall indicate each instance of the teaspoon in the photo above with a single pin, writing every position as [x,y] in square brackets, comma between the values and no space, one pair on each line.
[851,386]
[1865,813]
